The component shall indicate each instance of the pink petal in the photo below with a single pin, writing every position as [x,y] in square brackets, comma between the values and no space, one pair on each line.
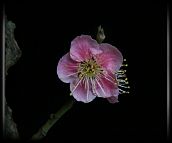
[81,92]
[106,86]
[113,99]
[111,58]
[67,69]
[83,48]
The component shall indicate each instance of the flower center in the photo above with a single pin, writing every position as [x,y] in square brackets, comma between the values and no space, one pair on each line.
[89,68]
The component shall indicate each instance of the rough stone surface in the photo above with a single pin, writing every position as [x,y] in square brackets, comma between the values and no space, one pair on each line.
[12,54]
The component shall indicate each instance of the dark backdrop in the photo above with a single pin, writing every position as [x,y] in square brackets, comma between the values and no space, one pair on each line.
[44,32]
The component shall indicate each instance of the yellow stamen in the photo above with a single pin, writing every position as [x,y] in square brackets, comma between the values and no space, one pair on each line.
[89,68]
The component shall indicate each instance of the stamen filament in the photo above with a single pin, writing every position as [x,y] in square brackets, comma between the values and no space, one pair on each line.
[77,85]
[124,86]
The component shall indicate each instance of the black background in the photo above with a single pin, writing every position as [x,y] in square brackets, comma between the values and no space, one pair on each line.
[44,32]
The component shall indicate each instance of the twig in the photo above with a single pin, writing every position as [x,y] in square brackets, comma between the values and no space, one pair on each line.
[42,132]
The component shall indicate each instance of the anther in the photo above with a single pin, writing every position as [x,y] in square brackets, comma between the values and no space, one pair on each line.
[125,65]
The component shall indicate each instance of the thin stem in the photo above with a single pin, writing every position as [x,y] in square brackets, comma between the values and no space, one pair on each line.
[42,132]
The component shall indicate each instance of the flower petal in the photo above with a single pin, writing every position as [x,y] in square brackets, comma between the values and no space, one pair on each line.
[106,86]
[67,69]
[111,58]
[81,91]
[83,48]
[113,99]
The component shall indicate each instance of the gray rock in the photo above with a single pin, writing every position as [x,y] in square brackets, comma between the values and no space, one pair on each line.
[12,55]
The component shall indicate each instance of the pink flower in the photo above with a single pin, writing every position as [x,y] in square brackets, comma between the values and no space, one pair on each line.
[90,69]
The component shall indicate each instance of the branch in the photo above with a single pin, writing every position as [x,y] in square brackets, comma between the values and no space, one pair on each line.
[42,132]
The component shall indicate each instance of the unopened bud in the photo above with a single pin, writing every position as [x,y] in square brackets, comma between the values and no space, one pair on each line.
[100,35]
